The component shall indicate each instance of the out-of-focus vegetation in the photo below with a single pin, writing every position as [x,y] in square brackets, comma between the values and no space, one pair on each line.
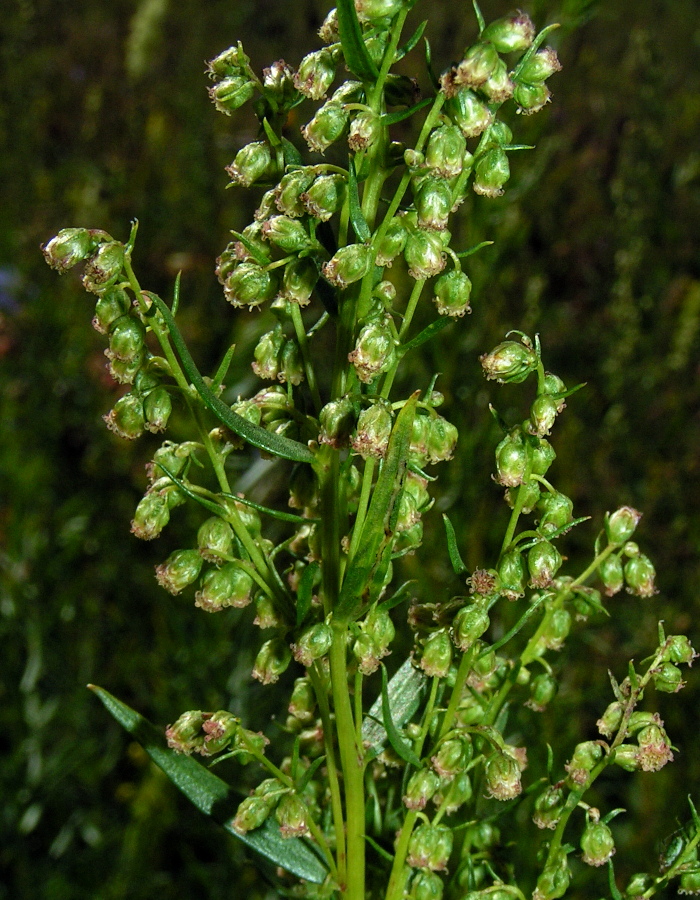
[104,116]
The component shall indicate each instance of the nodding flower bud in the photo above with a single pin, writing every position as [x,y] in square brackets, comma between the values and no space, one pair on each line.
[638,885]
[502,776]
[231,93]
[299,280]
[329,31]
[186,735]
[326,126]
[373,429]
[426,885]
[303,701]
[112,304]
[543,413]
[104,267]
[71,246]
[444,155]
[290,189]
[157,407]
[441,439]
[433,202]
[469,114]
[324,197]
[291,365]
[267,353]
[556,629]
[597,843]
[689,883]
[531,98]
[498,87]
[179,570]
[678,649]
[654,748]
[219,729]
[491,173]
[278,82]
[437,654]
[554,880]
[229,586]
[348,265]
[584,759]
[365,129]
[265,613]
[556,512]
[612,574]
[640,575]
[232,61]
[374,351]
[452,757]
[454,793]
[151,516]
[424,254]
[668,678]
[215,540]
[543,689]
[254,162]
[126,418]
[337,420]
[314,643]
[252,813]
[392,243]
[549,807]
[430,847]
[611,719]
[291,816]
[249,285]
[127,339]
[512,459]
[371,10]
[316,73]
[621,525]
[272,660]
[452,292]
[538,67]
[287,233]
[510,362]
[468,626]
[511,33]
[511,574]
[479,63]
[420,788]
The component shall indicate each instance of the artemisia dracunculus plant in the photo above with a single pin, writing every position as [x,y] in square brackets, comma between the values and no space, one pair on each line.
[391,787]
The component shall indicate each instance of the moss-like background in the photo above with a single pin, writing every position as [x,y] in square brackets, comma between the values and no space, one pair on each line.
[104,116]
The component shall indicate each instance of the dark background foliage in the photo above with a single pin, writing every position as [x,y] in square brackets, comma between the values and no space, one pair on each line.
[103,116]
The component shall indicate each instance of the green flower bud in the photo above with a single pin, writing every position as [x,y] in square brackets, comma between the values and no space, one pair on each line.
[316,73]
[511,573]
[527,495]
[668,678]
[219,729]
[126,342]
[365,130]
[510,362]
[638,884]
[511,460]
[278,83]
[215,540]
[539,66]
[291,365]
[640,575]
[554,880]
[424,254]
[252,813]
[230,62]
[452,292]
[556,511]
[531,98]
[479,63]
[329,32]
[498,87]
[430,847]
[678,649]
[229,586]
[374,351]
[289,191]
[621,525]
[543,689]
[371,10]
[126,418]
[468,625]
[337,420]
[104,267]
[612,574]
[444,155]
[689,883]
[249,285]
[112,304]
[373,429]
[267,354]
[556,630]
[71,246]
[272,660]
[367,654]
[452,757]
[303,701]
[426,886]
[157,407]
[299,279]
[454,794]
[433,202]
[420,788]
[584,759]
[409,541]
[179,570]
[314,643]
[265,613]
[542,455]
[543,413]
[502,777]
[627,757]
[469,114]
[549,807]
[254,162]
[611,719]
[511,33]
[288,234]
[326,126]
[151,516]
[231,93]
[597,843]
[437,654]
[441,439]
[491,173]
[393,243]
[350,264]
[291,816]
[186,735]
[324,197]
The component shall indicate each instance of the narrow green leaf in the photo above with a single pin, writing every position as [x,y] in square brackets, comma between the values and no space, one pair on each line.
[292,157]
[273,138]
[273,513]
[464,253]
[254,251]
[398,596]
[222,371]
[306,584]
[310,772]
[401,746]
[533,48]
[426,334]
[479,16]
[355,52]
[176,292]
[614,892]
[209,505]
[359,223]
[434,80]
[412,41]
[457,562]
[529,612]
[254,434]
[404,691]
[393,118]
[379,849]
[212,796]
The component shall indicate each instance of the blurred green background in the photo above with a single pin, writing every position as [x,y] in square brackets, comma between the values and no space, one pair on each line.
[104,116]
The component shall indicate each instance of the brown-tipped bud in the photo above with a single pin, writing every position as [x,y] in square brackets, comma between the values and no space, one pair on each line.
[365,129]
[479,63]
[373,429]
[314,643]
[511,459]
[452,292]
[112,304]
[231,93]
[324,197]
[538,67]
[291,369]
[393,242]
[498,87]
[71,246]
[556,629]
[420,788]
[186,735]
[433,202]
[469,114]
[374,351]
[252,813]
[678,649]
[329,31]
[179,570]
[326,126]
[549,807]
[543,689]
[104,267]
[126,418]
[290,189]
[510,362]
[554,880]
[640,575]
[127,339]
[286,233]
[444,155]
[303,701]
[556,512]
[585,757]
[348,265]
[611,573]
[249,285]
[511,574]
[299,279]
[430,847]
[531,98]
[426,885]
[219,730]
[265,613]
[596,842]
[291,817]
[621,525]
[266,363]
[151,516]
[543,414]
[452,757]
[215,540]
[502,776]
[543,562]
[424,253]
[491,173]
[511,33]
[229,586]
[441,439]
[668,678]
[611,719]
[468,626]
[337,420]
[272,660]
[157,407]
[230,62]
[278,82]
[254,162]
[437,654]
[316,73]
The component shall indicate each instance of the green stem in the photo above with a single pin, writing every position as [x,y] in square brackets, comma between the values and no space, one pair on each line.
[303,342]
[397,879]
[363,505]
[463,671]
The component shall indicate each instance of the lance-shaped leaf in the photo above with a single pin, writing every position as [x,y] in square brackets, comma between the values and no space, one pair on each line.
[455,558]
[354,50]
[212,796]
[254,434]
[403,694]
[359,223]
[379,524]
